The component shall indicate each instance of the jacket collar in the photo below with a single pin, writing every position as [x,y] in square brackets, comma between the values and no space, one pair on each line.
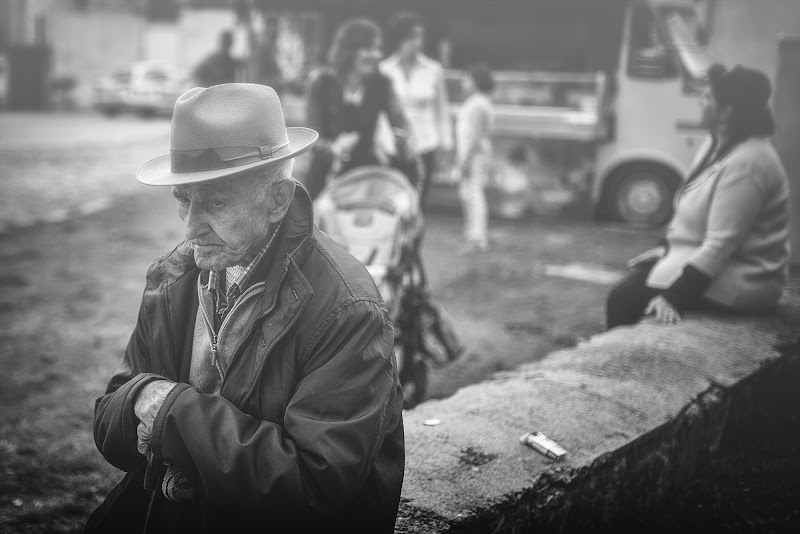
[297,227]
[174,292]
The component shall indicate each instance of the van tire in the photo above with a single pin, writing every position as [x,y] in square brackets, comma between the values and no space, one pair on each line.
[640,194]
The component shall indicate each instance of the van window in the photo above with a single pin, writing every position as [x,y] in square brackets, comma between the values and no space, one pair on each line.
[684,31]
[648,51]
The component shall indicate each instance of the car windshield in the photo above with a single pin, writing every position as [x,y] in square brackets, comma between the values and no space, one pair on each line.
[156,76]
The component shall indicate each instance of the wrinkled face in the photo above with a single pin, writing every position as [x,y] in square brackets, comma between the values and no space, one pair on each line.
[226,220]
[366,60]
[413,44]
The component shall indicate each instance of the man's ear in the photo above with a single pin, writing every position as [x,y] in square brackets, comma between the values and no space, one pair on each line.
[281,194]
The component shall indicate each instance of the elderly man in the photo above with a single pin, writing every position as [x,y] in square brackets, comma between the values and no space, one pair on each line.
[259,389]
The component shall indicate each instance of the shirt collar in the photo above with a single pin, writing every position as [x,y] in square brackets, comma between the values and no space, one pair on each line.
[216,278]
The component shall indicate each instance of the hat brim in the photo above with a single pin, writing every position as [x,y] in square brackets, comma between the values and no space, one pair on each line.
[158,170]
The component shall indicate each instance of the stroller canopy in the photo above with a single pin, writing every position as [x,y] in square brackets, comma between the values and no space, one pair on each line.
[377,187]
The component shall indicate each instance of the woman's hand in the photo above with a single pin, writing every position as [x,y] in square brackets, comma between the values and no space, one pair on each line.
[344,143]
[664,312]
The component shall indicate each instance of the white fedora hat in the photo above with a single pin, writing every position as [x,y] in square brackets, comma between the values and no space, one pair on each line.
[225,130]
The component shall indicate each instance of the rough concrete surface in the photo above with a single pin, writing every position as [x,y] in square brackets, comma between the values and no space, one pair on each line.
[634,407]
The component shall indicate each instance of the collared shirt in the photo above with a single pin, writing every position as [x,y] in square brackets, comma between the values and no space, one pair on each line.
[422,94]
[236,278]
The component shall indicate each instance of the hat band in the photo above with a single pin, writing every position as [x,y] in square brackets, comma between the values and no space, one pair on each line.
[211,159]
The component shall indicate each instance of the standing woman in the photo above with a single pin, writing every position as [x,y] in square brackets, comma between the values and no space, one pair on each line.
[474,155]
[419,83]
[728,242]
[345,100]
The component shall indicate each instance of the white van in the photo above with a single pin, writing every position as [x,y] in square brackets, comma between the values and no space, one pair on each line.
[620,142]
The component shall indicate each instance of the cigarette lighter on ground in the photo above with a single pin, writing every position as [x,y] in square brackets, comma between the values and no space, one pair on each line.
[543,444]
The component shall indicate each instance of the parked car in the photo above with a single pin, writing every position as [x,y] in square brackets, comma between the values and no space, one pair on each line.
[146,88]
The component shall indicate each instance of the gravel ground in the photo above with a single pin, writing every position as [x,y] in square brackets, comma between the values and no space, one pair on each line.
[57,166]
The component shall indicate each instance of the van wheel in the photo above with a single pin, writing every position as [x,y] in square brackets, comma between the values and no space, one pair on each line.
[641,195]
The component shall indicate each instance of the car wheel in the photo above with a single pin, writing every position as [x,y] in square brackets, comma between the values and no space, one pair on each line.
[642,195]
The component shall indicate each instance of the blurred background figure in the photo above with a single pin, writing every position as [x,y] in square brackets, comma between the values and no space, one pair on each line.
[269,72]
[728,242]
[219,67]
[474,154]
[419,83]
[345,100]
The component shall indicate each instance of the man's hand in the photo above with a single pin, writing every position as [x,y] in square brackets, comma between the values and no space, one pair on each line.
[146,408]
[177,486]
[664,312]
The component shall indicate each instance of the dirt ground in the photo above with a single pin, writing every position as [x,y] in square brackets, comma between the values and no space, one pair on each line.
[69,293]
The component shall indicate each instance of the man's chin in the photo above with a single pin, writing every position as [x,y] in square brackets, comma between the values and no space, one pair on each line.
[209,262]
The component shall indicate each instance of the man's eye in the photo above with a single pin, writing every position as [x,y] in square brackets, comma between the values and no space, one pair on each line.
[216,203]
[183,201]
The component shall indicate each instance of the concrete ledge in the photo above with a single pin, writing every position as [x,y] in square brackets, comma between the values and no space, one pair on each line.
[636,408]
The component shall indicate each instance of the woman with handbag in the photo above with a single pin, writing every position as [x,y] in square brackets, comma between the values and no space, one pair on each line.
[727,246]
[346,100]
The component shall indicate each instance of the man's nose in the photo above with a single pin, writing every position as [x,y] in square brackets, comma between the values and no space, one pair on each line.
[194,223]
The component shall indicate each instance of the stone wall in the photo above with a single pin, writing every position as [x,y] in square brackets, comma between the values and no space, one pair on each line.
[637,408]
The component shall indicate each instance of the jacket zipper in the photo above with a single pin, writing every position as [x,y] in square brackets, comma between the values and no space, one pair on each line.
[258,319]
[215,336]
[211,334]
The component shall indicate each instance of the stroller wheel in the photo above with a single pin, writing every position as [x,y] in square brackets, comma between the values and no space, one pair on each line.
[414,379]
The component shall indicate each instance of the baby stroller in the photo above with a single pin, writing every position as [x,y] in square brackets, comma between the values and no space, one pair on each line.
[373,212]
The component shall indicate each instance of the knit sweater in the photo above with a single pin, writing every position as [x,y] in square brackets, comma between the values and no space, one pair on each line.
[732,224]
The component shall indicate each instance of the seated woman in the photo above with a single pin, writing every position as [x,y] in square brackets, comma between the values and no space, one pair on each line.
[727,246]
[345,101]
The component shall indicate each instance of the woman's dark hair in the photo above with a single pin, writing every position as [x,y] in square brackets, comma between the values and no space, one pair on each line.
[401,27]
[481,75]
[747,92]
[351,37]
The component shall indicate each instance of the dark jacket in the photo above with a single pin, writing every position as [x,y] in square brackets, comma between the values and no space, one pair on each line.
[307,429]
[326,114]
